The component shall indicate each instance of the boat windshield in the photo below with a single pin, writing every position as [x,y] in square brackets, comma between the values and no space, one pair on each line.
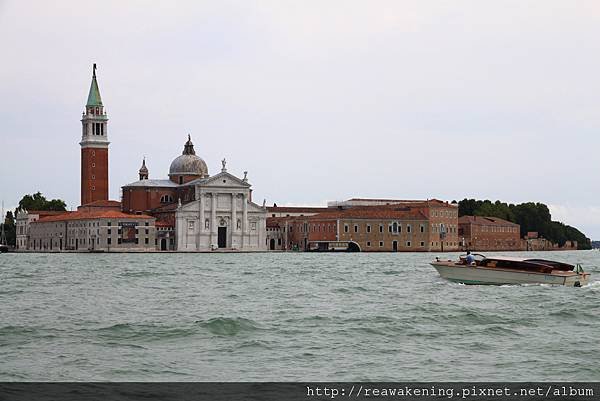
[555,265]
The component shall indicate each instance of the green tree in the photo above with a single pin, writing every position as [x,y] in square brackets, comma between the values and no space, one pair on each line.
[9,228]
[530,216]
[38,201]
[467,207]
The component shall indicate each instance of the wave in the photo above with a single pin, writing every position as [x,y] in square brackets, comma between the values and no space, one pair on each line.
[392,272]
[130,331]
[224,326]
[593,285]
[17,330]
[346,290]
[253,344]
[136,274]
[501,330]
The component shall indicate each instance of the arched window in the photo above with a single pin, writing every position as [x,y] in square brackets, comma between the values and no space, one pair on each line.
[207,223]
[395,227]
[166,199]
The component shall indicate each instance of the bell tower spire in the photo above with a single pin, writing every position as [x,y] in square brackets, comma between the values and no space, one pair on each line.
[94,147]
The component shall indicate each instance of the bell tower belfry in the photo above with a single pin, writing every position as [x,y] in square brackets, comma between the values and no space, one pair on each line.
[94,147]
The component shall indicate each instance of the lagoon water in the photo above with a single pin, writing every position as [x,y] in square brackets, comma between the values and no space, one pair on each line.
[286,317]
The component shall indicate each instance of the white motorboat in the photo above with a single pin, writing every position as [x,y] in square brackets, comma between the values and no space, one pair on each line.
[507,270]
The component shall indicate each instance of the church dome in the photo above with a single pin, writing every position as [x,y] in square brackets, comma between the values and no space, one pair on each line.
[188,164]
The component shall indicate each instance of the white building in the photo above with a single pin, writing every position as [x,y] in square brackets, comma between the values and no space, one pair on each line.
[24,219]
[222,215]
[93,230]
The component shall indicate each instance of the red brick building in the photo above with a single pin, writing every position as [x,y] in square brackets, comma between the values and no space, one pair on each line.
[442,217]
[160,197]
[479,233]
[149,195]
[370,225]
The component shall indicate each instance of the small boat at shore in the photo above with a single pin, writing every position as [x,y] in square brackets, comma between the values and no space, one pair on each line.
[499,270]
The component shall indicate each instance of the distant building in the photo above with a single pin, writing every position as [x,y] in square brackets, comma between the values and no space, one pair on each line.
[276,219]
[23,221]
[360,229]
[275,238]
[542,244]
[221,216]
[93,230]
[196,211]
[288,211]
[370,225]
[160,197]
[442,217]
[478,233]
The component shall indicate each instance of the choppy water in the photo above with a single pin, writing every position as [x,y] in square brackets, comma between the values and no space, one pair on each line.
[292,316]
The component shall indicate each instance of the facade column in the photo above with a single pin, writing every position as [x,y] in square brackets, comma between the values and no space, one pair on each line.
[180,231]
[213,219]
[244,219]
[233,230]
[233,212]
[200,197]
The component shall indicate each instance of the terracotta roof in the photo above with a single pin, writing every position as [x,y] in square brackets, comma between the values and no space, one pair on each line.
[296,209]
[385,200]
[483,220]
[371,213]
[42,213]
[408,202]
[166,208]
[105,214]
[102,203]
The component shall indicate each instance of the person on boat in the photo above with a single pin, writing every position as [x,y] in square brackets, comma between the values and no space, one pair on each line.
[470,259]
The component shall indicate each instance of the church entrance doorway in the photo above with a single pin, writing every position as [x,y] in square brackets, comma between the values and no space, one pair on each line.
[163,244]
[222,237]
[272,244]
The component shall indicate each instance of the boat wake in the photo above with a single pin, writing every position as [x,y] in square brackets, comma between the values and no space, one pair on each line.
[594,285]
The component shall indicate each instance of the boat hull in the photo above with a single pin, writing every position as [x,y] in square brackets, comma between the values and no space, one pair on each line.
[492,276]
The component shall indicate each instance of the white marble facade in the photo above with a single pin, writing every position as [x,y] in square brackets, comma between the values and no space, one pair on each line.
[222,216]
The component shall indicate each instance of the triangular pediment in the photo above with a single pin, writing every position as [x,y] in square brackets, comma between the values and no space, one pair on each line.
[224,179]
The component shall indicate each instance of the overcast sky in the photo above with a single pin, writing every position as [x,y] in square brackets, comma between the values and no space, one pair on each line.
[318,100]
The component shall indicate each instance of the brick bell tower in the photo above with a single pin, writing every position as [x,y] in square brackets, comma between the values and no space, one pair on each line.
[94,147]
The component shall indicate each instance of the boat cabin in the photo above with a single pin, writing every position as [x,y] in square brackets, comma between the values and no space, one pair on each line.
[535,265]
